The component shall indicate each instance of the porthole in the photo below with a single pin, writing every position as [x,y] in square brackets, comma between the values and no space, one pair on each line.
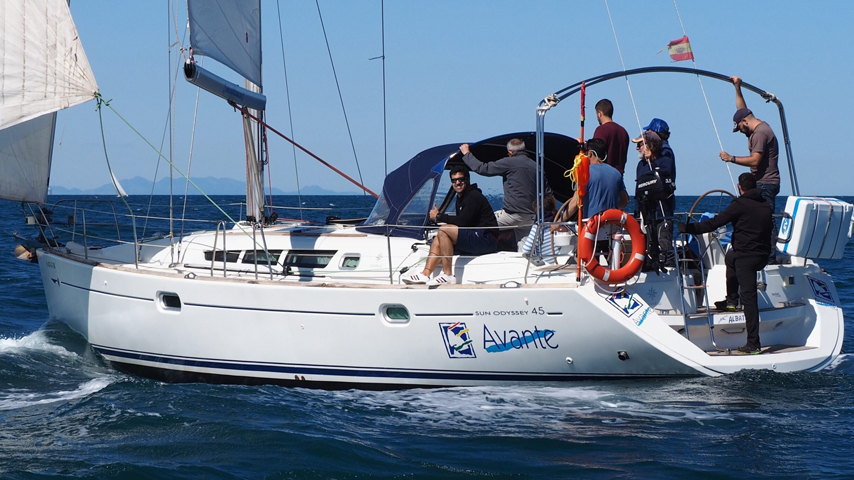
[395,313]
[169,301]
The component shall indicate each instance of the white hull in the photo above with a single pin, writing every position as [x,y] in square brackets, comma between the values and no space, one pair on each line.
[334,333]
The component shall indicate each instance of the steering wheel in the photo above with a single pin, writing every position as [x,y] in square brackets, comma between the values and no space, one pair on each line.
[701,197]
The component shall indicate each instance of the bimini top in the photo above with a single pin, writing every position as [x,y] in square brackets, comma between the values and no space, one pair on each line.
[409,192]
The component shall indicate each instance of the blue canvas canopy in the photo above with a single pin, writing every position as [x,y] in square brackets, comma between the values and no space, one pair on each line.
[410,191]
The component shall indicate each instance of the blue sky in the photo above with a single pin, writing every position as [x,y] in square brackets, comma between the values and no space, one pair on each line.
[461,71]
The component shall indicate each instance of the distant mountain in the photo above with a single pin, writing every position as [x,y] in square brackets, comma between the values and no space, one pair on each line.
[209,185]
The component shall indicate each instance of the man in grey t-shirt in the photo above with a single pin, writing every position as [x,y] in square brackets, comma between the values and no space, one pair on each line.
[519,172]
[763,155]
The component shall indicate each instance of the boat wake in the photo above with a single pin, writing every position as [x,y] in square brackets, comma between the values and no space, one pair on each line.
[516,409]
[36,369]
[37,341]
[844,363]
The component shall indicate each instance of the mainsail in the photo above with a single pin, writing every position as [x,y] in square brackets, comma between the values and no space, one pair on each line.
[44,69]
[229,31]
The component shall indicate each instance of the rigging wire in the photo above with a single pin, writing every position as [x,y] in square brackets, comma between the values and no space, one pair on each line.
[175,167]
[341,97]
[629,85]
[385,139]
[100,100]
[709,108]
[245,111]
[290,115]
[166,129]
[171,136]
[623,64]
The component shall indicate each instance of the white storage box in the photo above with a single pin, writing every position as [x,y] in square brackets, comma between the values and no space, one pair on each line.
[815,227]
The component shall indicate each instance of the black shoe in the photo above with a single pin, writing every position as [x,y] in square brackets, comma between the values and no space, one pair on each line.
[725,307]
[749,349]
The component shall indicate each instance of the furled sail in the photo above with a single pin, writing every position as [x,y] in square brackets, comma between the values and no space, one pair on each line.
[44,69]
[229,31]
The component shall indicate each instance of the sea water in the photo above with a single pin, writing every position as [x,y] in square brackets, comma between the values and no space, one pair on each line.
[65,413]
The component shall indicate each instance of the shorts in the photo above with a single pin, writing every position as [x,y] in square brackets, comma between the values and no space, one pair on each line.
[474,242]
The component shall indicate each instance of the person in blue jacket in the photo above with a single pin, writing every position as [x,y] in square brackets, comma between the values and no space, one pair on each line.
[654,199]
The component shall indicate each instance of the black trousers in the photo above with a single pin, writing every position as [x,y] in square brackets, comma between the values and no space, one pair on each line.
[741,275]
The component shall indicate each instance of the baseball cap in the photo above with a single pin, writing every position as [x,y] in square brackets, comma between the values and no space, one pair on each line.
[657,125]
[740,115]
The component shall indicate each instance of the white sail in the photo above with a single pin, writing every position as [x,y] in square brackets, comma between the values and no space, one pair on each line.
[229,31]
[25,153]
[120,191]
[43,70]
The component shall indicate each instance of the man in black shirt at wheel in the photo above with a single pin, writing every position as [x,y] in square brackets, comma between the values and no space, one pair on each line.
[751,218]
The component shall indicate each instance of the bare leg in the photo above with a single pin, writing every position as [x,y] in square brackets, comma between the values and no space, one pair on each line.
[448,233]
[433,257]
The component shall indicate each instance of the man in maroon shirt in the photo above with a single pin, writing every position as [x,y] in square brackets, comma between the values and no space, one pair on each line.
[616,138]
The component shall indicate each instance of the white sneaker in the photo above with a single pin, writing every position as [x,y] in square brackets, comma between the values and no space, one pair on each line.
[443,279]
[417,279]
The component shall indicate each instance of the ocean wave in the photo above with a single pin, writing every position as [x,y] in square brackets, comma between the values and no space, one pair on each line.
[12,400]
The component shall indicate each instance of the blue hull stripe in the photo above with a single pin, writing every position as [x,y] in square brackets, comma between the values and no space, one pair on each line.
[106,293]
[354,372]
[277,310]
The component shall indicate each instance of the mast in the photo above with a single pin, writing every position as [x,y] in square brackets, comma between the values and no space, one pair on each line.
[255,155]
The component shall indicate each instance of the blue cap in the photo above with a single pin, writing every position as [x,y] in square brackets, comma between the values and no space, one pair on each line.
[657,125]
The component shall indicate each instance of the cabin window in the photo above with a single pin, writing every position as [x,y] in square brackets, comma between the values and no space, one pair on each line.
[231,255]
[251,255]
[309,258]
[379,215]
[415,213]
[350,261]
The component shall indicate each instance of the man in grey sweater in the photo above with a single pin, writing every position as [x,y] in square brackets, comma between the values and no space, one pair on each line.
[519,173]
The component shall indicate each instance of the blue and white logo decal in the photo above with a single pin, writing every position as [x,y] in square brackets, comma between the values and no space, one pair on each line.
[625,303]
[458,342]
[821,291]
[630,306]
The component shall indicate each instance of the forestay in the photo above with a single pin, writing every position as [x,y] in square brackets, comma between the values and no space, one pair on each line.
[44,70]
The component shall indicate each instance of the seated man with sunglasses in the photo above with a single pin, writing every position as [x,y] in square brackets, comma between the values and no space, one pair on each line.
[470,232]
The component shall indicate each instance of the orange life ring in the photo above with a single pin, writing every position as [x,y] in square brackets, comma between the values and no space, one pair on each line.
[588,236]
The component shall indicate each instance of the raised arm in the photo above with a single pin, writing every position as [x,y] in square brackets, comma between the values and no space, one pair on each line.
[739,98]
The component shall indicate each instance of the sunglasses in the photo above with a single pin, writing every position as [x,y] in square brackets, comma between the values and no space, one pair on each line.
[458,180]
[638,145]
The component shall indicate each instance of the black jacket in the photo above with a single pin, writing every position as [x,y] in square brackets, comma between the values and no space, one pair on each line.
[473,210]
[751,220]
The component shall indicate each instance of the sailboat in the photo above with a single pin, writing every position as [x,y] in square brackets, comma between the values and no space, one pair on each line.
[324,306]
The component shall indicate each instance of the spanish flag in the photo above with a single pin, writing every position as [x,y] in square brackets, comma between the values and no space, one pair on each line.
[680,49]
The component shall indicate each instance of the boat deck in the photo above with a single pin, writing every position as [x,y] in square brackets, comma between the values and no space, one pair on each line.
[771,349]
